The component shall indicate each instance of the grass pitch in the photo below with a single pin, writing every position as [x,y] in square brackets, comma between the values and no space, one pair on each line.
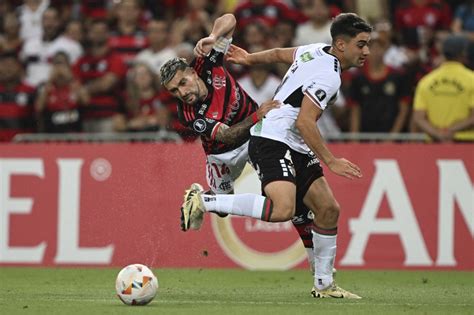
[192,291]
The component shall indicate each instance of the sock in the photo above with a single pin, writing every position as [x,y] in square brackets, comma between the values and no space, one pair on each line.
[247,205]
[310,252]
[324,241]
[304,231]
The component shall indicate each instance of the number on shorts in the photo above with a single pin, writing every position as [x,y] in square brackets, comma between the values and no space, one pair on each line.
[224,169]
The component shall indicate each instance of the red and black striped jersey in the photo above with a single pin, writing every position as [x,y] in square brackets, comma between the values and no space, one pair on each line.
[61,112]
[226,103]
[94,9]
[127,46]
[16,111]
[89,68]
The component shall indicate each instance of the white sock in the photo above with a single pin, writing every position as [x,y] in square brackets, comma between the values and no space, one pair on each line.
[324,255]
[247,205]
[310,252]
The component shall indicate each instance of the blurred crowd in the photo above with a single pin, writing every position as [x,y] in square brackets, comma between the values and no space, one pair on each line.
[92,66]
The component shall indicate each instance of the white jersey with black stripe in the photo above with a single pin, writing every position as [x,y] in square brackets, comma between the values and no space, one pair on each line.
[314,73]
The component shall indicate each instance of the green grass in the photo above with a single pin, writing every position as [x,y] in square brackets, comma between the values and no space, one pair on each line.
[191,291]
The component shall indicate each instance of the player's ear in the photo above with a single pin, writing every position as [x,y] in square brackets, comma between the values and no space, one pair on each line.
[340,44]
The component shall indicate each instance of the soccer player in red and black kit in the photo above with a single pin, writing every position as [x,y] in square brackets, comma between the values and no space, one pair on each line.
[100,71]
[16,99]
[215,106]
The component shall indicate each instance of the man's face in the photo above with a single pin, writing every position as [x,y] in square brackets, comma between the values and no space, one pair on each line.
[128,11]
[50,22]
[10,69]
[98,33]
[318,10]
[142,77]
[356,50]
[377,50]
[157,32]
[74,30]
[184,86]
[60,71]
[11,24]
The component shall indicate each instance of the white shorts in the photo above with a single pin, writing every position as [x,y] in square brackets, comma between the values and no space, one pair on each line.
[223,169]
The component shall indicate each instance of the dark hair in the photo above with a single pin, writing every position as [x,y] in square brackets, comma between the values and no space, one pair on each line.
[455,47]
[63,54]
[348,24]
[169,69]
[98,21]
[52,8]
[11,55]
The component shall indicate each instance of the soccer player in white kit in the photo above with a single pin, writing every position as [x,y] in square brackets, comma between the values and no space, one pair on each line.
[214,105]
[282,144]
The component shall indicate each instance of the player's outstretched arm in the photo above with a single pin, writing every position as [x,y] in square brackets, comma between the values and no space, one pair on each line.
[306,124]
[239,132]
[224,26]
[240,56]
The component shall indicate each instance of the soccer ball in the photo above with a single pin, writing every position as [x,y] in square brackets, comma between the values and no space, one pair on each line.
[136,285]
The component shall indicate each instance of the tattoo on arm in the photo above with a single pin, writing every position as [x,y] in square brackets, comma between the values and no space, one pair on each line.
[238,133]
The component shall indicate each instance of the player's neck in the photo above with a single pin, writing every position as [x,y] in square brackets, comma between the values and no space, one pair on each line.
[339,57]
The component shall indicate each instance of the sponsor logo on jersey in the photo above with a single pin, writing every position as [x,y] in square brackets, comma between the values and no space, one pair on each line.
[213,57]
[202,110]
[199,125]
[21,99]
[389,88]
[237,93]
[102,66]
[306,57]
[234,107]
[320,95]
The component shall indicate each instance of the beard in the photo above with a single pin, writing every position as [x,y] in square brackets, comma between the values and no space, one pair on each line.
[191,98]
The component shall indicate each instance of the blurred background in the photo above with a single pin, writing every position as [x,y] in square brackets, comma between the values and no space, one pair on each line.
[87,70]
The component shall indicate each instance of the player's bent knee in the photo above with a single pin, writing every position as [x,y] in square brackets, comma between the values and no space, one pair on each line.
[333,212]
[329,214]
[282,213]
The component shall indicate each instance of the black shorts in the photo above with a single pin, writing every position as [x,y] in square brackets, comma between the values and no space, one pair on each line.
[274,160]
